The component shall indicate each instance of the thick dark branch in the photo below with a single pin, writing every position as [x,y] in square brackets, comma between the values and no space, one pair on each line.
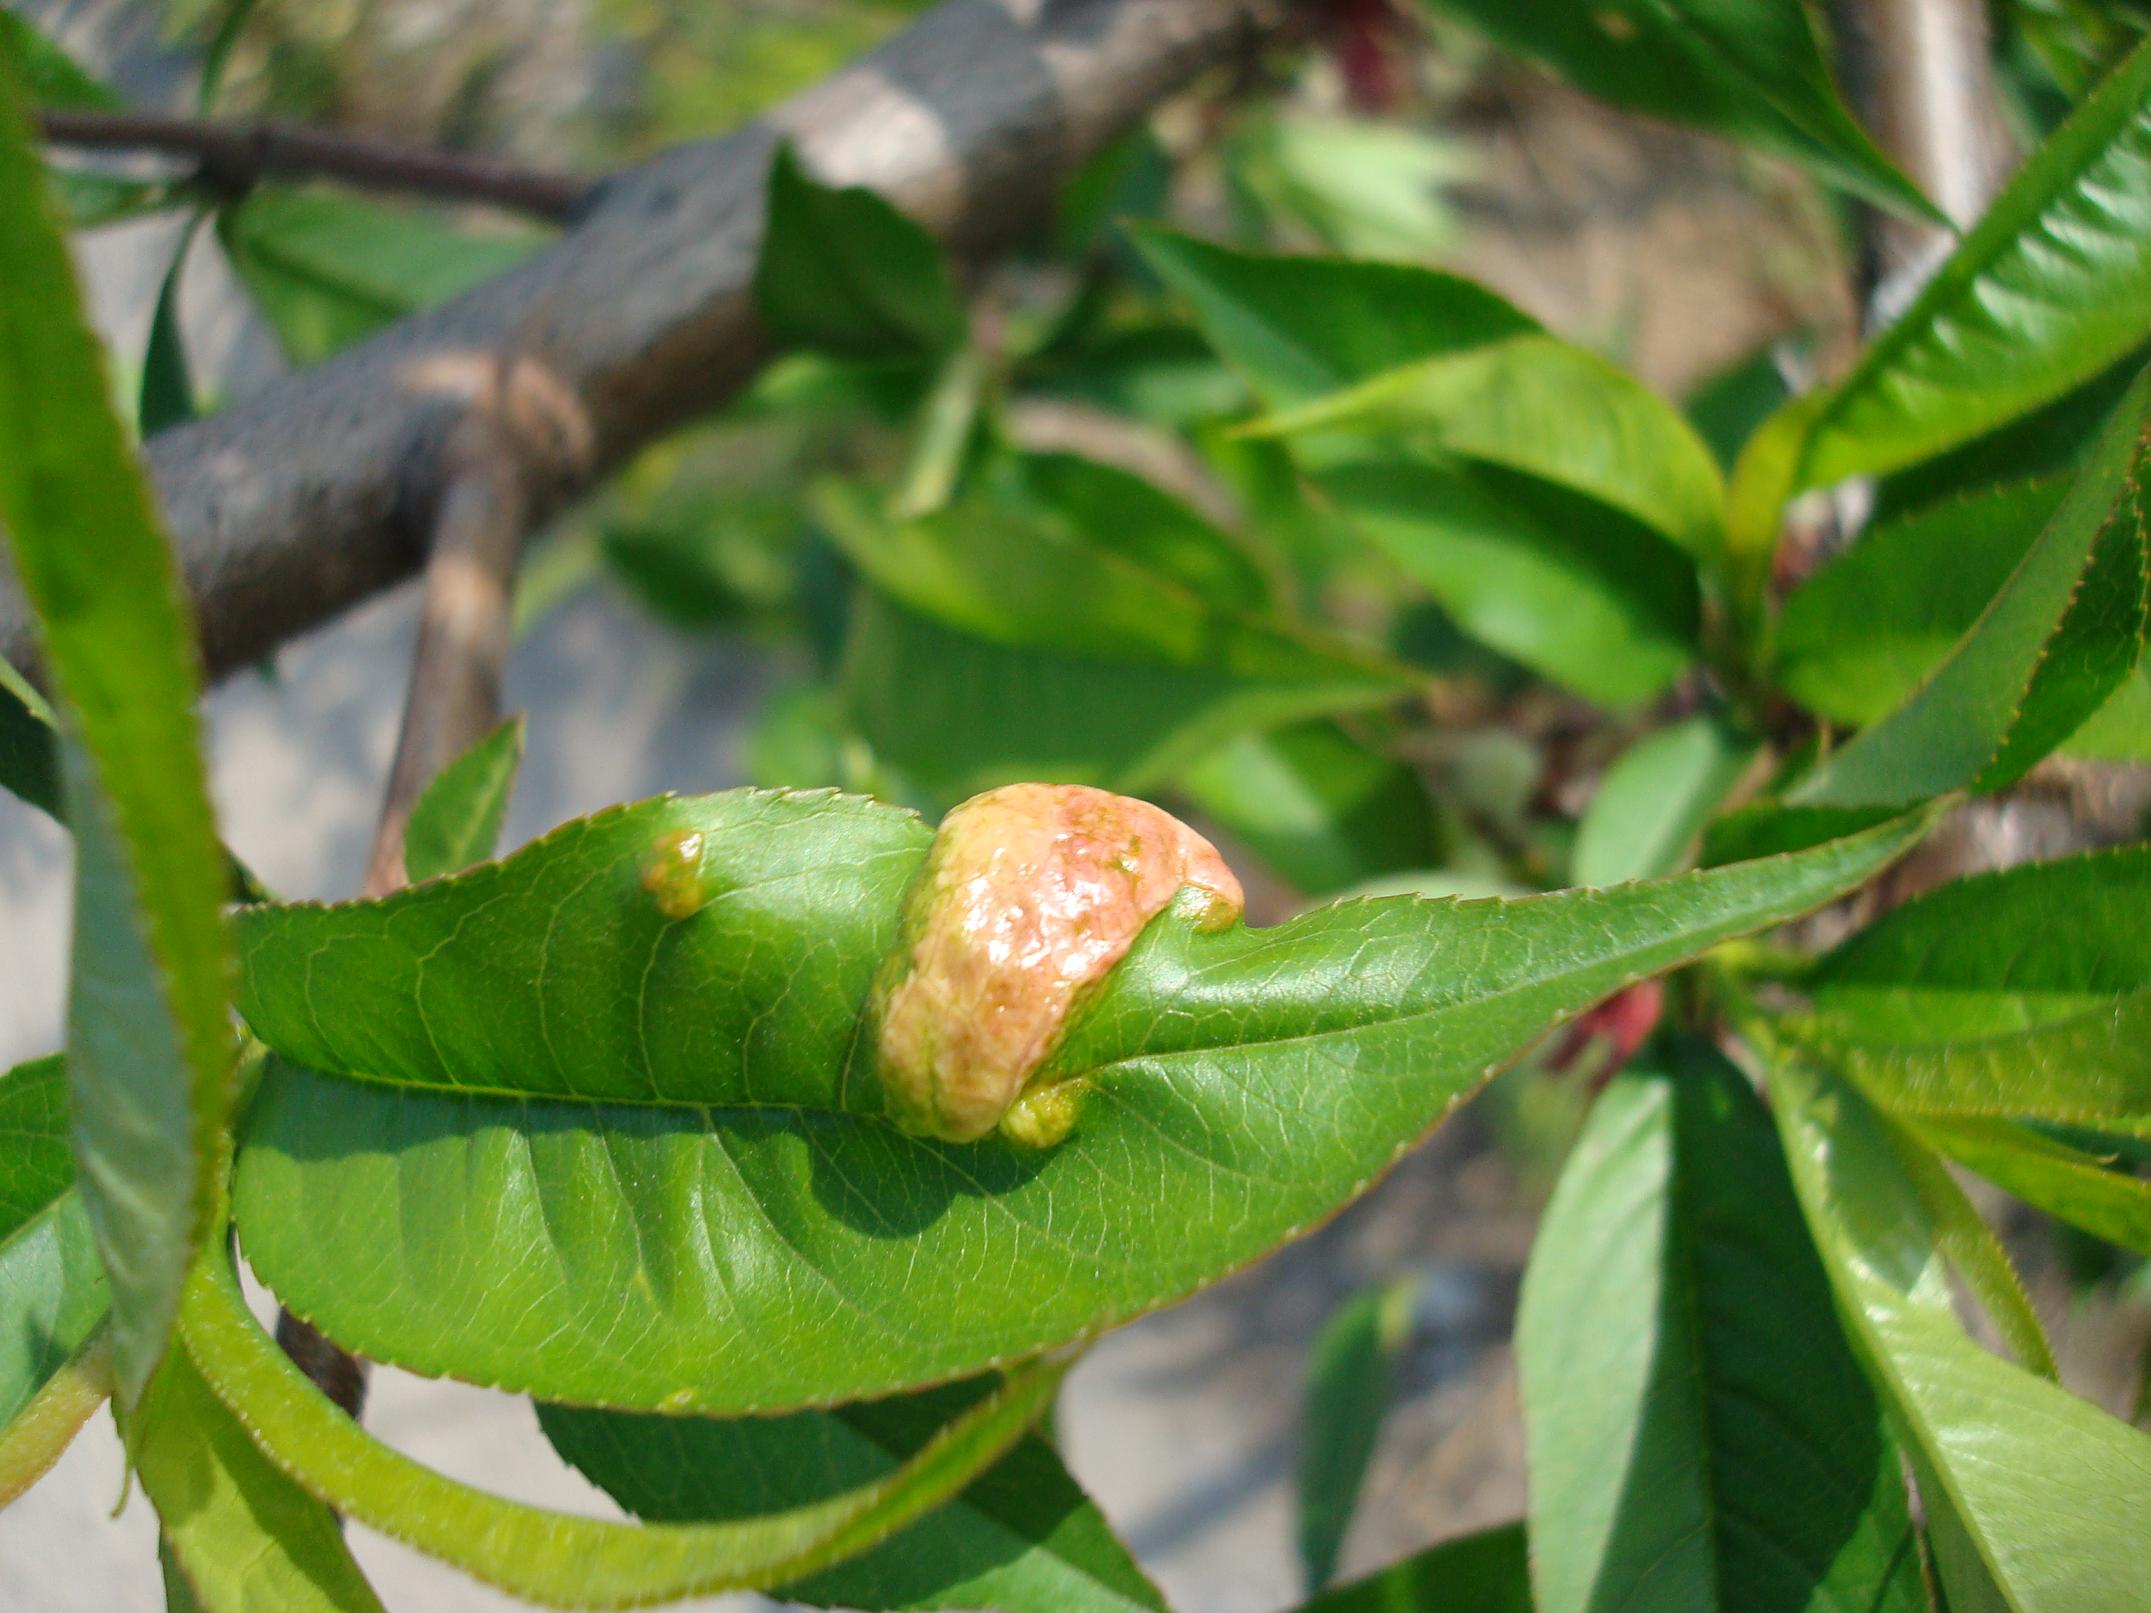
[234,156]
[295,504]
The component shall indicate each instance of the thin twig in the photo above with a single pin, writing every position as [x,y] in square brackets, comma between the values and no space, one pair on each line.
[454,698]
[234,156]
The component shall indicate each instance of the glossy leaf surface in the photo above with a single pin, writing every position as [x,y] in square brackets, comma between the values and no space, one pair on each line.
[1023,1536]
[1699,1434]
[2056,641]
[714,1181]
[2048,288]
[457,820]
[149,1044]
[557,1558]
[2046,1498]
[845,273]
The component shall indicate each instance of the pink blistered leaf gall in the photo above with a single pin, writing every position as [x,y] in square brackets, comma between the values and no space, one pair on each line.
[1030,894]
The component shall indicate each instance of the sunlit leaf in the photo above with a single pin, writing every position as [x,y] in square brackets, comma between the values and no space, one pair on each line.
[149,1044]
[457,820]
[1655,799]
[623,1150]
[1699,1435]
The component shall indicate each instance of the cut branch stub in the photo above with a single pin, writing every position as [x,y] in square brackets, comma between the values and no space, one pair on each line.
[1030,894]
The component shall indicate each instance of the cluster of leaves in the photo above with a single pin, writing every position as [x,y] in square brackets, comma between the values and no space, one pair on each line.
[631,1151]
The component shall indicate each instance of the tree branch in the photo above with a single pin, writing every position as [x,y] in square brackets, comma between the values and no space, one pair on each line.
[297,503]
[234,156]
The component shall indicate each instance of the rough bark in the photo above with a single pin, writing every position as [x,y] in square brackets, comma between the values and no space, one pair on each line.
[294,504]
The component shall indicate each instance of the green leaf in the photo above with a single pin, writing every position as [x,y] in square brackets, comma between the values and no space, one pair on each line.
[457,820]
[1350,1372]
[987,655]
[557,1558]
[1120,512]
[2093,1069]
[1570,587]
[1538,405]
[40,1433]
[2042,1493]
[239,1533]
[329,268]
[1301,327]
[1654,801]
[1023,1537]
[1320,808]
[1698,1432]
[2057,640]
[666,1152]
[167,395]
[2048,288]
[2020,949]
[1975,1254]
[29,745]
[1749,69]
[2082,1188]
[844,273]
[52,77]
[150,1047]
[1865,631]
[1482,1573]
[52,1289]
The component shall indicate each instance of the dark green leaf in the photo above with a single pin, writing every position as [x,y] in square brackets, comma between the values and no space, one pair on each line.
[1750,69]
[843,272]
[1542,407]
[52,1290]
[558,1558]
[457,820]
[2036,1491]
[1570,587]
[1301,327]
[1325,811]
[53,78]
[167,397]
[29,745]
[1481,1573]
[2022,948]
[665,1151]
[1024,1537]
[2062,634]
[149,1045]
[1349,1375]
[1655,799]
[239,1533]
[1700,1438]
[988,655]
[2048,288]
[1120,512]
[1864,632]
[329,268]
